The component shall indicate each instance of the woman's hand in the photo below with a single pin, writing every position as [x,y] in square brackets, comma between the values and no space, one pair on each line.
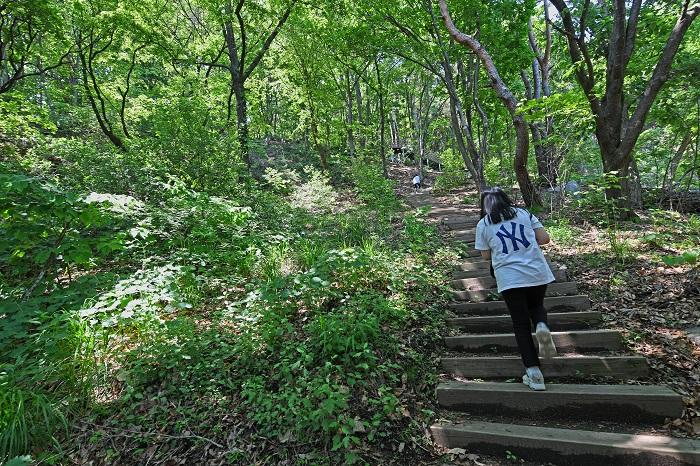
[541,236]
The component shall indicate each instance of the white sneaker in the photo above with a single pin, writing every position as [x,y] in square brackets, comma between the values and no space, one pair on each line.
[544,338]
[534,379]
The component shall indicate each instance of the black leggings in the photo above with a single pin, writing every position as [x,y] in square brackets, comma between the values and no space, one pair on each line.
[526,306]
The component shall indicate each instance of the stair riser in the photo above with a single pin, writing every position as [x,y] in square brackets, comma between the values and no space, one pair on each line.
[455,212]
[461,226]
[488,282]
[557,322]
[576,342]
[619,367]
[554,289]
[456,218]
[535,406]
[558,303]
[567,452]
[484,271]
[476,262]
[468,238]
[643,402]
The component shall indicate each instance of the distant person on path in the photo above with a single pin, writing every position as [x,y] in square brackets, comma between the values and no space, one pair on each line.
[510,238]
[416,182]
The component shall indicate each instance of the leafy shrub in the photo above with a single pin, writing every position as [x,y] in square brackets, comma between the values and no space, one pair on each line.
[147,293]
[373,189]
[281,181]
[453,175]
[46,229]
[561,231]
[316,194]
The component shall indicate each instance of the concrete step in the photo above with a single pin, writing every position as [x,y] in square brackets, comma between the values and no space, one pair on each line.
[462,220]
[620,367]
[568,447]
[579,320]
[485,272]
[463,231]
[488,282]
[553,303]
[554,289]
[468,238]
[571,341]
[452,211]
[631,403]
[477,262]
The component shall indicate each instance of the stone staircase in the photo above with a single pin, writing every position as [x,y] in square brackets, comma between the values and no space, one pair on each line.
[589,415]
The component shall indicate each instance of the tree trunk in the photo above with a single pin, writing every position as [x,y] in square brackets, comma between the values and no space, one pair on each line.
[529,194]
[634,185]
[242,120]
[350,116]
[394,129]
[672,166]
[380,91]
[477,177]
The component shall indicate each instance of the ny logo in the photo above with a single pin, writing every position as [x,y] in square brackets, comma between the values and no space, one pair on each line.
[503,233]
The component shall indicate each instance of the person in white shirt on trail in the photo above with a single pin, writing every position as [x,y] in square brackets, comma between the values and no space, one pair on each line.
[416,182]
[510,238]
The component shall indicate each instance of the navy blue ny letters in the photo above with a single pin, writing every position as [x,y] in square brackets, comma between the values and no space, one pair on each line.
[503,234]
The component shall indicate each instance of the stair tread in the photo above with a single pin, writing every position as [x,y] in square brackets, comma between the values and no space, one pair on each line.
[487,282]
[550,315]
[553,289]
[568,446]
[557,321]
[579,302]
[590,390]
[561,366]
[570,340]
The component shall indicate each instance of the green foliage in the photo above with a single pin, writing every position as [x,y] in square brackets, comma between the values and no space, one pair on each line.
[24,460]
[281,181]
[453,173]
[45,229]
[316,194]
[373,189]
[561,231]
[688,257]
[497,171]
[307,314]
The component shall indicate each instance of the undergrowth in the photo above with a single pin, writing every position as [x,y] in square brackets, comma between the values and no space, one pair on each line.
[286,322]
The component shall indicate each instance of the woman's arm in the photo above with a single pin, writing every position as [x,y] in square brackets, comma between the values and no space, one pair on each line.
[541,236]
[486,255]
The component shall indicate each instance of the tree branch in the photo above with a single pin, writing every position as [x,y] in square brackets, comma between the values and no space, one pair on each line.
[658,78]
[268,41]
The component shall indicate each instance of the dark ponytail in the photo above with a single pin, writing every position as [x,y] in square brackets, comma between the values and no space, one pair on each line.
[497,205]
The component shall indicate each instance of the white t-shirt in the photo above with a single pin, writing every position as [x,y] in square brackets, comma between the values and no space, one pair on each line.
[515,255]
[416,179]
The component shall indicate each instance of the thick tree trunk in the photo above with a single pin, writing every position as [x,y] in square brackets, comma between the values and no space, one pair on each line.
[616,133]
[529,194]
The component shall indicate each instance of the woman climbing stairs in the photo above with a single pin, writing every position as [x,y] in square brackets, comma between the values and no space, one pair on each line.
[596,409]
